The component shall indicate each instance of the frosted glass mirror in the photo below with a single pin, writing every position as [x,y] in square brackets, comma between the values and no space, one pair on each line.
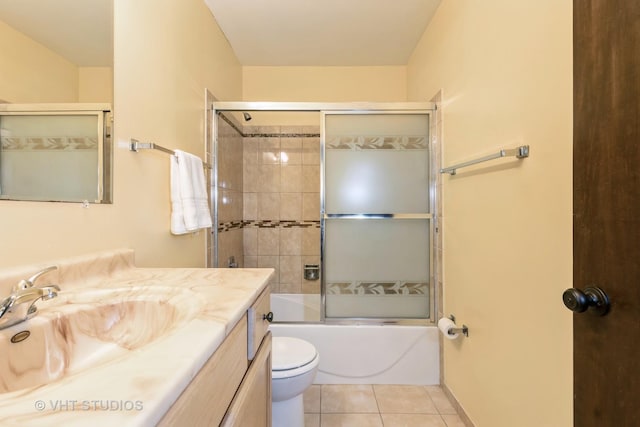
[54,152]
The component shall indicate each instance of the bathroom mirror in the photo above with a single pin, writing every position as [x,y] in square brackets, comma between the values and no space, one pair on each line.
[57,67]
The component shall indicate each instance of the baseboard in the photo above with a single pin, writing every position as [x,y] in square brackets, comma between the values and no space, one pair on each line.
[461,413]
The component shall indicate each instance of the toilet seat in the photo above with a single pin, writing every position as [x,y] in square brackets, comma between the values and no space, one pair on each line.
[291,357]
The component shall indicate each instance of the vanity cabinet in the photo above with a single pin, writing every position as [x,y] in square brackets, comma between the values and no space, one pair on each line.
[234,387]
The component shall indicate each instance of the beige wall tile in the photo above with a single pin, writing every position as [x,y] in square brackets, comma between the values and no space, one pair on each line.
[291,206]
[311,178]
[310,287]
[290,241]
[250,148]
[311,206]
[269,151]
[291,270]
[291,150]
[310,241]
[271,261]
[225,212]
[251,176]
[250,244]
[269,179]
[250,261]
[250,206]
[291,178]
[230,244]
[290,288]
[269,206]
[268,241]
[311,151]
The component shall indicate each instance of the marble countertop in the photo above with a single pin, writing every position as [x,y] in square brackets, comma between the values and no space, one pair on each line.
[136,388]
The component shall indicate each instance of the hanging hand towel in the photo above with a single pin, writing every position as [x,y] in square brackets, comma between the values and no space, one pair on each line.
[189,205]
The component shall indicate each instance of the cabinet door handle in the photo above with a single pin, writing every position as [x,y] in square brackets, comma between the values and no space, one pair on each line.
[268,317]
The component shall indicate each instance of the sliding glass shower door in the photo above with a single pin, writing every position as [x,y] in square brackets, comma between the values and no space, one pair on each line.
[376,215]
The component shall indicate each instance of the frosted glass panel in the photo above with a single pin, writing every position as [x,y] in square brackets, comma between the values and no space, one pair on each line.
[377,268]
[370,250]
[376,163]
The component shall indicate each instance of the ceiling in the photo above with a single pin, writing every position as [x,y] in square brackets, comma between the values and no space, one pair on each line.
[261,32]
[323,32]
[78,30]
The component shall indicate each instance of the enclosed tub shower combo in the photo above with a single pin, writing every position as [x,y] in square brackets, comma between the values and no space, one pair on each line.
[343,210]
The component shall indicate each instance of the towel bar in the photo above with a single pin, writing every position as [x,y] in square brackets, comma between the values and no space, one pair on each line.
[136,145]
[519,152]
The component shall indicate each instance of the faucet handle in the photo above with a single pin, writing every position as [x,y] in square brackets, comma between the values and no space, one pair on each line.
[28,283]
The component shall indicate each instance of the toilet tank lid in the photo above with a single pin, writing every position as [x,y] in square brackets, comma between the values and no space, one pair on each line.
[291,353]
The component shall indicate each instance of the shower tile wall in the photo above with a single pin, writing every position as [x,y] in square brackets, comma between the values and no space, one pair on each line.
[230,198]
[281,182]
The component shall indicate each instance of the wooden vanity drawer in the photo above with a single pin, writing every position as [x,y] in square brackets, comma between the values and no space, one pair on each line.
[257,323]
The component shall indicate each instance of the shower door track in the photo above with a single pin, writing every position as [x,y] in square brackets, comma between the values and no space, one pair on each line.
[326,106]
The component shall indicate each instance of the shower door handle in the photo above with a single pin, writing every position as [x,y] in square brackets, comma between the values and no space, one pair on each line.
[593,298]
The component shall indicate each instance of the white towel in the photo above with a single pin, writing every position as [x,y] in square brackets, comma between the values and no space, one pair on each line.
[189,202]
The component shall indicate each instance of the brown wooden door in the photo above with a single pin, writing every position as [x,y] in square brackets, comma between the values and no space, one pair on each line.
[606,198]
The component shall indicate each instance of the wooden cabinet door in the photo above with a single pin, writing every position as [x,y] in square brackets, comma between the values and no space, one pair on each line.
[252,405]
[606,196]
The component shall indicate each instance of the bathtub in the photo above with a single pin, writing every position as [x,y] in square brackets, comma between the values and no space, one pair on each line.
[360,354]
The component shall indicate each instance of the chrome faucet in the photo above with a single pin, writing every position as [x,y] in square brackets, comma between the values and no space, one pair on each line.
[20,305]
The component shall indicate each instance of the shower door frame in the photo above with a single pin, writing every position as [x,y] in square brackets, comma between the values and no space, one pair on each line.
[427,108]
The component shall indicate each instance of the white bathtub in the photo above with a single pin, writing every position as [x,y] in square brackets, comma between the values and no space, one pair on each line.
[361,354]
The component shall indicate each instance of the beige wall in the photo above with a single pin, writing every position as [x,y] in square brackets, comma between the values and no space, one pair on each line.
[95,84]
[29,72]
[166,53]
[320,84]
[324,84]
[505,68]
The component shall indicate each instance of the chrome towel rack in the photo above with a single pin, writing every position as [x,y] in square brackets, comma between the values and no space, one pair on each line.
[136,145]
[520,152]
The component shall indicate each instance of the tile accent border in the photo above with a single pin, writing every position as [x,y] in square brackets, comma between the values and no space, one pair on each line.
[398,287]
[267,223]
[49,143]
[282,135]
[378,143]
[267,135]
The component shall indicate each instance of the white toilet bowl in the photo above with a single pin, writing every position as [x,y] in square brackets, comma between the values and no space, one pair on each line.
[294,366]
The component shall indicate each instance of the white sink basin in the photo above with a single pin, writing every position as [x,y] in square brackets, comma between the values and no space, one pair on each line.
[83,329]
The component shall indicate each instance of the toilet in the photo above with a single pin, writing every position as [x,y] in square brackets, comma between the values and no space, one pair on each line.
[294,363]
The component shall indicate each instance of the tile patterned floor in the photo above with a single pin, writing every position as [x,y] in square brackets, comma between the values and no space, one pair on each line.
[378,406]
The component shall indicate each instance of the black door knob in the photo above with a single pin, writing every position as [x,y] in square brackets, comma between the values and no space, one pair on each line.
[593,298]
[268,317]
